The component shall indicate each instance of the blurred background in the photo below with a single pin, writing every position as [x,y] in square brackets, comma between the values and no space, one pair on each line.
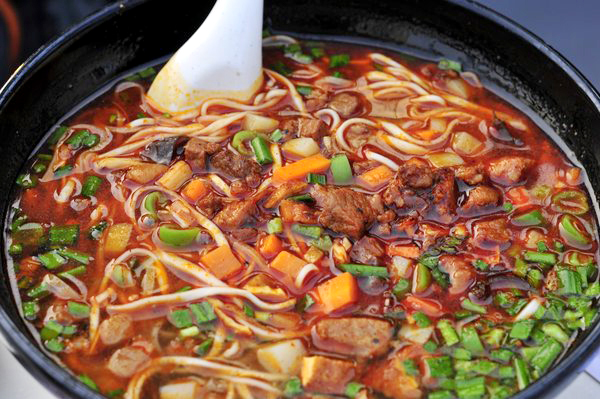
[569,26]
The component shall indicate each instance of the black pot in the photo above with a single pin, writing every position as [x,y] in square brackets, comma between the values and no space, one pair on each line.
[510,60]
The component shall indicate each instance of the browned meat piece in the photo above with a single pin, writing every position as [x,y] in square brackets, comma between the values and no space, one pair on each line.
[210,204]
[472,174]
[509,169]
[460,271]
[238,166]
[357,135]
[316,99]
[389,376]
[297,212]
[116,329]
[247,234]
[306,127]
[492,233]
[367,250]
[353,336]
[413,174]
[344,210]
[326,375]
[126,361]
[383,215]
[363,166]
[235,214]
[444,193]
[284,191]
[346,104]
[196,151]
[481,196]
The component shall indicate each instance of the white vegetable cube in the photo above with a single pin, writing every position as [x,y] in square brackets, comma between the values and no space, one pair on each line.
[180,390]
[260,124]
[282,357]
[177,174]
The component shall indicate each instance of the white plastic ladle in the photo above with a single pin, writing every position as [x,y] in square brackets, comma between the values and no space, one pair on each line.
[223,58]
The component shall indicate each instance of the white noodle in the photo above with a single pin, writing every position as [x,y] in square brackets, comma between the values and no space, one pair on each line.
[339,133]
[373,156]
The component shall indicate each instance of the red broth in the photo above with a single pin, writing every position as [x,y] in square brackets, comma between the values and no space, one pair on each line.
[368,225]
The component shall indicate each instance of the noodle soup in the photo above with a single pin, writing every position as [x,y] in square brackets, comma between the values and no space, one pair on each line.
[368,225]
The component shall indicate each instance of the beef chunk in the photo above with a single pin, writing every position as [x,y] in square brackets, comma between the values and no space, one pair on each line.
[460,271]
[471,174]
[210,204]
[196,151]
[444,193]
[344,210]
[127,361]
[234,214]
[306,127]
[357,135]
[390,378]
[354,336]
[160,151]
[297,212]
[413,174]
[247,234]
[492,233]
[316,99]
[284,191]
[237,166]
[326,375]
[509,169]
[116,329]
[367,250]
[346,104]
[481,196]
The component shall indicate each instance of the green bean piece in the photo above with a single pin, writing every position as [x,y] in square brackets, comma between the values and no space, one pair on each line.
[540,257]
[440,366]
[522,329]
[522,372]
[91,184]
[353,388]
[63,235]
[553,330]
[307,230]
[546,355]
[467,304]
[364,270]
[448,332]
[470,340]
[292,388]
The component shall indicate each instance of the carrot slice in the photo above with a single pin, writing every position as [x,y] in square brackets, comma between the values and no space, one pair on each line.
[429,307]
[195,190]
[297,170]
[221,262]
[338,292]
[407,251]
[376,177]
[288,264]
[270,246]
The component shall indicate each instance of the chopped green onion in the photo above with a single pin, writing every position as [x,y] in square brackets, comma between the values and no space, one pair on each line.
[531,218]
[80,257]
[63,171]
[440,366]
[304,90]
[421,319]
[364,270]
[339,60]
[78,310]
[559,246]
[317,52]
[430,346]
[146,73]
[57,134]
[51,329]
[55,345]
[52,260]
[88,381]
[240,137]
[204,347]
[535,277]
[450,65]
[541,246]
[546,355]
[171,235]
[115,392]
[340,169]
[63,235]
[95,232]
[83,138]
[494,337]
[353,388]
[522,329]
[421,278]
[573,231]
[314,178]
[522,373]
[470,340]
[181,318]
[38,291]
[301,198]
[261,150]
[304,303]
[470,388]
[307,231]
[276,136]
[203,312]
[275,226]
[323,243]
[448,332]
[481,265]
[467,304]
[569,281]
[31,310]
[443,394]
[570,201]
[91,184]
[337,74]
[248,311]
[76,271]
[281,68]
[507,206]
[292,388]
[39,167]
[27,180]
[503,355]
[401,288]
[540,257]
[553,330]
[461,354]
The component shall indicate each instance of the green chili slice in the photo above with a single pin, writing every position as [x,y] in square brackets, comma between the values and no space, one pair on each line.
[570,201]
[63,235]
[153,200]
[421,278]
[176,237]
[240,137]
[531,218]
[573,231]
